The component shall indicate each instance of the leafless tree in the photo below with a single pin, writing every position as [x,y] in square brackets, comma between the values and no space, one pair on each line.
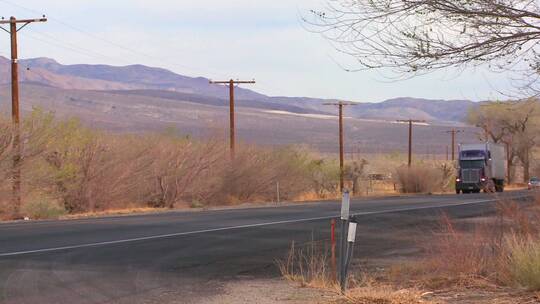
[418,36]
[514,124]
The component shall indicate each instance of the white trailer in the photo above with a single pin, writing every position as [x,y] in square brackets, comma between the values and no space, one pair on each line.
[481,167]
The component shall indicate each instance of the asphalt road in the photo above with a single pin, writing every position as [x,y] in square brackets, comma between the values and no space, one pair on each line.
[179,257]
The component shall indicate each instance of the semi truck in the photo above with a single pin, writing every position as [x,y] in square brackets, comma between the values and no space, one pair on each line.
[481,167]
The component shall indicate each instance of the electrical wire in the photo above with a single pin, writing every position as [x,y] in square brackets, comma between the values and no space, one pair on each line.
[117,45]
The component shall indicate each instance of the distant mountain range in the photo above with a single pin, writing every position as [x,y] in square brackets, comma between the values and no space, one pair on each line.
[161,83]
[140,98]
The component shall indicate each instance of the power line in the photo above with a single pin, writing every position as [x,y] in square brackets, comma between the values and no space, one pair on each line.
[117,45]
[77,50]
[73,47]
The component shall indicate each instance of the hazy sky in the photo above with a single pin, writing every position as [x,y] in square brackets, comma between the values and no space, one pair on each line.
[262,39]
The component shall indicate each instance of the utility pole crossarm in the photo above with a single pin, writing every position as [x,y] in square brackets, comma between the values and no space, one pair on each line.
[13,20]
[234,81]
[340,104]
[411,120]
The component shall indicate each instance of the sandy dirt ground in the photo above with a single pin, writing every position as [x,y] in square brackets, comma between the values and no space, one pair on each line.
[276,291]
[268,291]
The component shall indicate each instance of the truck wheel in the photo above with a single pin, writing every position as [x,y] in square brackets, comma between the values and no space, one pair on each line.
[457,191]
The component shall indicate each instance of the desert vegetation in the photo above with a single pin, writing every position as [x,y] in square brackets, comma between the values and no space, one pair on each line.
[502,249]
[69,169]
[425,177]
[499,253]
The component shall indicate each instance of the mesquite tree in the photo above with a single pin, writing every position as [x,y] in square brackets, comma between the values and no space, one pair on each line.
[418,36]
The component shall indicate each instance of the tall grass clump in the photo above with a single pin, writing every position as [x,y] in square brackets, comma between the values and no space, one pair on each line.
[523,261]
[307,265]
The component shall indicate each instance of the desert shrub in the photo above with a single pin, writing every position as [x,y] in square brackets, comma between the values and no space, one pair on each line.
[180,168]
[255,172]
[92,171]
[418,179]
[323,175]
[43,209]
[36,132]
[354,171]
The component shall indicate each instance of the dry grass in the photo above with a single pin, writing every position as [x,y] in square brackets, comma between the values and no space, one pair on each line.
[309,266]
[501,250]
[383,295]
[112,212]
[523,261]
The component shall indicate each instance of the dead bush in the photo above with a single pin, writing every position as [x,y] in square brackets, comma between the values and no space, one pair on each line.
[455,253]
[255,173]
[178,168]
[418,179]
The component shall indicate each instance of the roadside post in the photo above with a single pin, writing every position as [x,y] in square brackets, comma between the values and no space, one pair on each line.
[345,213]
[351,238]
[277,193]
[333,249]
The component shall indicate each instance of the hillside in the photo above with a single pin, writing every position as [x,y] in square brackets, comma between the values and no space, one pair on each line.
[139,98]
[139,78]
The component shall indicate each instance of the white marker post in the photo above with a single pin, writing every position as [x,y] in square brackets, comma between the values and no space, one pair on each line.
[351,238]
[345,206]
[345,213]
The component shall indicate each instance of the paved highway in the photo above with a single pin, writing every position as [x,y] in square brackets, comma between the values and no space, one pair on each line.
[177,257]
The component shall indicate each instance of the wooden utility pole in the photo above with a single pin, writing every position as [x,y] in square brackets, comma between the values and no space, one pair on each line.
[453,133]
[232,126]
[341,142]
[15,107]
[411,122]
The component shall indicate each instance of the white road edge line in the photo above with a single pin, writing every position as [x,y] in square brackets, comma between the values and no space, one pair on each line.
[11,254]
